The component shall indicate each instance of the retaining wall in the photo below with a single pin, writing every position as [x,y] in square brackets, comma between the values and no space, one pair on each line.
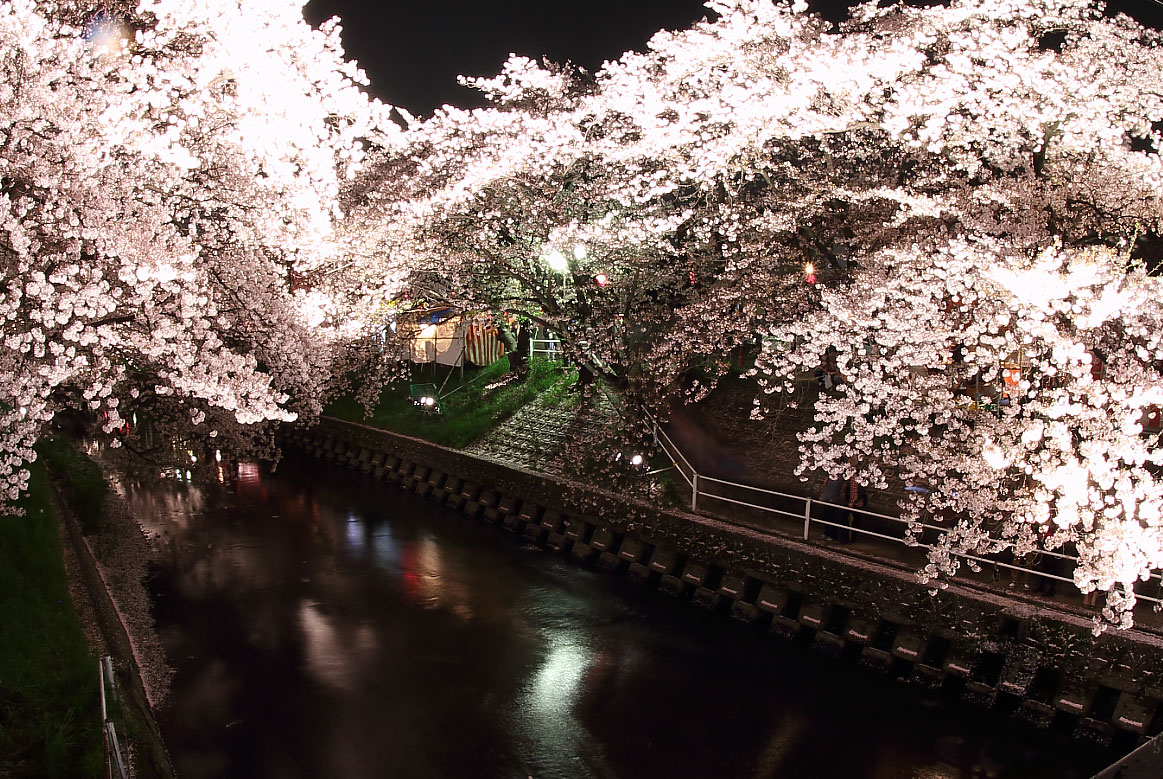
[1039,662]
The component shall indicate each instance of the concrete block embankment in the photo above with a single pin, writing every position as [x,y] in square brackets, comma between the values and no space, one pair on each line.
[1041,663]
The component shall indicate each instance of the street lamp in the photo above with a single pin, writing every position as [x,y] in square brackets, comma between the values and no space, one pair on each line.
[557,261]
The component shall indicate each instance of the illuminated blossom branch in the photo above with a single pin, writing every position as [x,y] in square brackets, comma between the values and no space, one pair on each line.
[159,183]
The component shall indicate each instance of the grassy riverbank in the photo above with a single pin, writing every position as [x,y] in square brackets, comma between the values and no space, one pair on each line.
[49,710]
[469,408]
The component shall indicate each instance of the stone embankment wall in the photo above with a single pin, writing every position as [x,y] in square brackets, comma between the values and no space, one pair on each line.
[1040,663]
[122,617]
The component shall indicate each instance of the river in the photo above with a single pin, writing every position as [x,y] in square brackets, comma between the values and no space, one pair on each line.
[322,625]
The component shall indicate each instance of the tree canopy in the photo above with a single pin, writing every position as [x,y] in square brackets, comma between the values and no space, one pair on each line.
[954,198]
[164,176]
[969,181]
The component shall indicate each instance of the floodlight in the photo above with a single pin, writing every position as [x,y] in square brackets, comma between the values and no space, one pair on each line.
[557,261]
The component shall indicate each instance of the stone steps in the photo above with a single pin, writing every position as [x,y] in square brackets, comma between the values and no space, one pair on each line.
[538,434]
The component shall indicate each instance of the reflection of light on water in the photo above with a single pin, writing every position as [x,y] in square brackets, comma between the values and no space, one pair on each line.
[427,582]
[248,474]
[384,549]
[555,687]
[430,572]
[355,536]
[163,508]
[334,656]
[419,565]
[549,704]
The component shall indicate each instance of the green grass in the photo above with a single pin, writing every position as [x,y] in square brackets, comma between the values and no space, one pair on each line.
[49,700]
[79,478]
[469,409]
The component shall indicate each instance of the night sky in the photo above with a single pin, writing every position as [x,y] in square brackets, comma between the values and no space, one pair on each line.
[413,50]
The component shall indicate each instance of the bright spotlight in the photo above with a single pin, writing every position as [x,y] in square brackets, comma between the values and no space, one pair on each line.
[557,261]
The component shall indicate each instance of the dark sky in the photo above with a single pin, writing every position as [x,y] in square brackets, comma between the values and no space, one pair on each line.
[413,50]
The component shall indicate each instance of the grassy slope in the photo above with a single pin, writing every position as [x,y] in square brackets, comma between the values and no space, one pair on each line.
[49,710]
[468,411]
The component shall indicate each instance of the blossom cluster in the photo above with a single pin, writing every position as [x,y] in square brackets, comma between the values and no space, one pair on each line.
[162,177]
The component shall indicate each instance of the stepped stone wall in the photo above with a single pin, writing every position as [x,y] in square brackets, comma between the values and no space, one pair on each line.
[1040,663]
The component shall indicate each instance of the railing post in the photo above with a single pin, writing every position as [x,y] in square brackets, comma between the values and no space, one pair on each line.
[807,516]
[101,681]
[694,491]
[115,748]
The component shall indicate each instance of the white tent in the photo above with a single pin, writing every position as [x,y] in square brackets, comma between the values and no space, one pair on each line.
[433,335]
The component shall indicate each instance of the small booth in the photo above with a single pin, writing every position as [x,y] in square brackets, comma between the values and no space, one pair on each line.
[433,335]
[446,337]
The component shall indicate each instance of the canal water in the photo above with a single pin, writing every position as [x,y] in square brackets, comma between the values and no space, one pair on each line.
[321,625]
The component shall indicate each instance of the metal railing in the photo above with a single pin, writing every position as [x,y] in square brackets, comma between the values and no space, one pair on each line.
[550,348]
[814,512]
[115,762]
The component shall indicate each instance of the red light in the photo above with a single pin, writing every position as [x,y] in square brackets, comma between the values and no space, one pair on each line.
[601,279]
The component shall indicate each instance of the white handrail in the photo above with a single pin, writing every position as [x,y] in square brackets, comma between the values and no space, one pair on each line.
[677,452]
[696,479]
[114,761]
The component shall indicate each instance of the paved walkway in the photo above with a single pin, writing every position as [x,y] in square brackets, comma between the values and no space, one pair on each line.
[545,436]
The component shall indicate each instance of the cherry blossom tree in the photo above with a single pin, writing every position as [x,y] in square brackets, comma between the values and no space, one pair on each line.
[1006,277]
[538,205]
[970,182]
[166,177]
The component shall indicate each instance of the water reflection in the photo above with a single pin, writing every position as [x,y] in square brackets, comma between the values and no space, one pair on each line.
[335,651]
[336,628]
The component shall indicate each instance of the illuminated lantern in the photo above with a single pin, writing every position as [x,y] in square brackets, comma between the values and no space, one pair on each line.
[601,279]
[810,273]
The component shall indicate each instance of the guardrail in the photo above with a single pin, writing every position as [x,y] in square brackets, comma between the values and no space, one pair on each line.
[115,762]
[814,512]
[549,347]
